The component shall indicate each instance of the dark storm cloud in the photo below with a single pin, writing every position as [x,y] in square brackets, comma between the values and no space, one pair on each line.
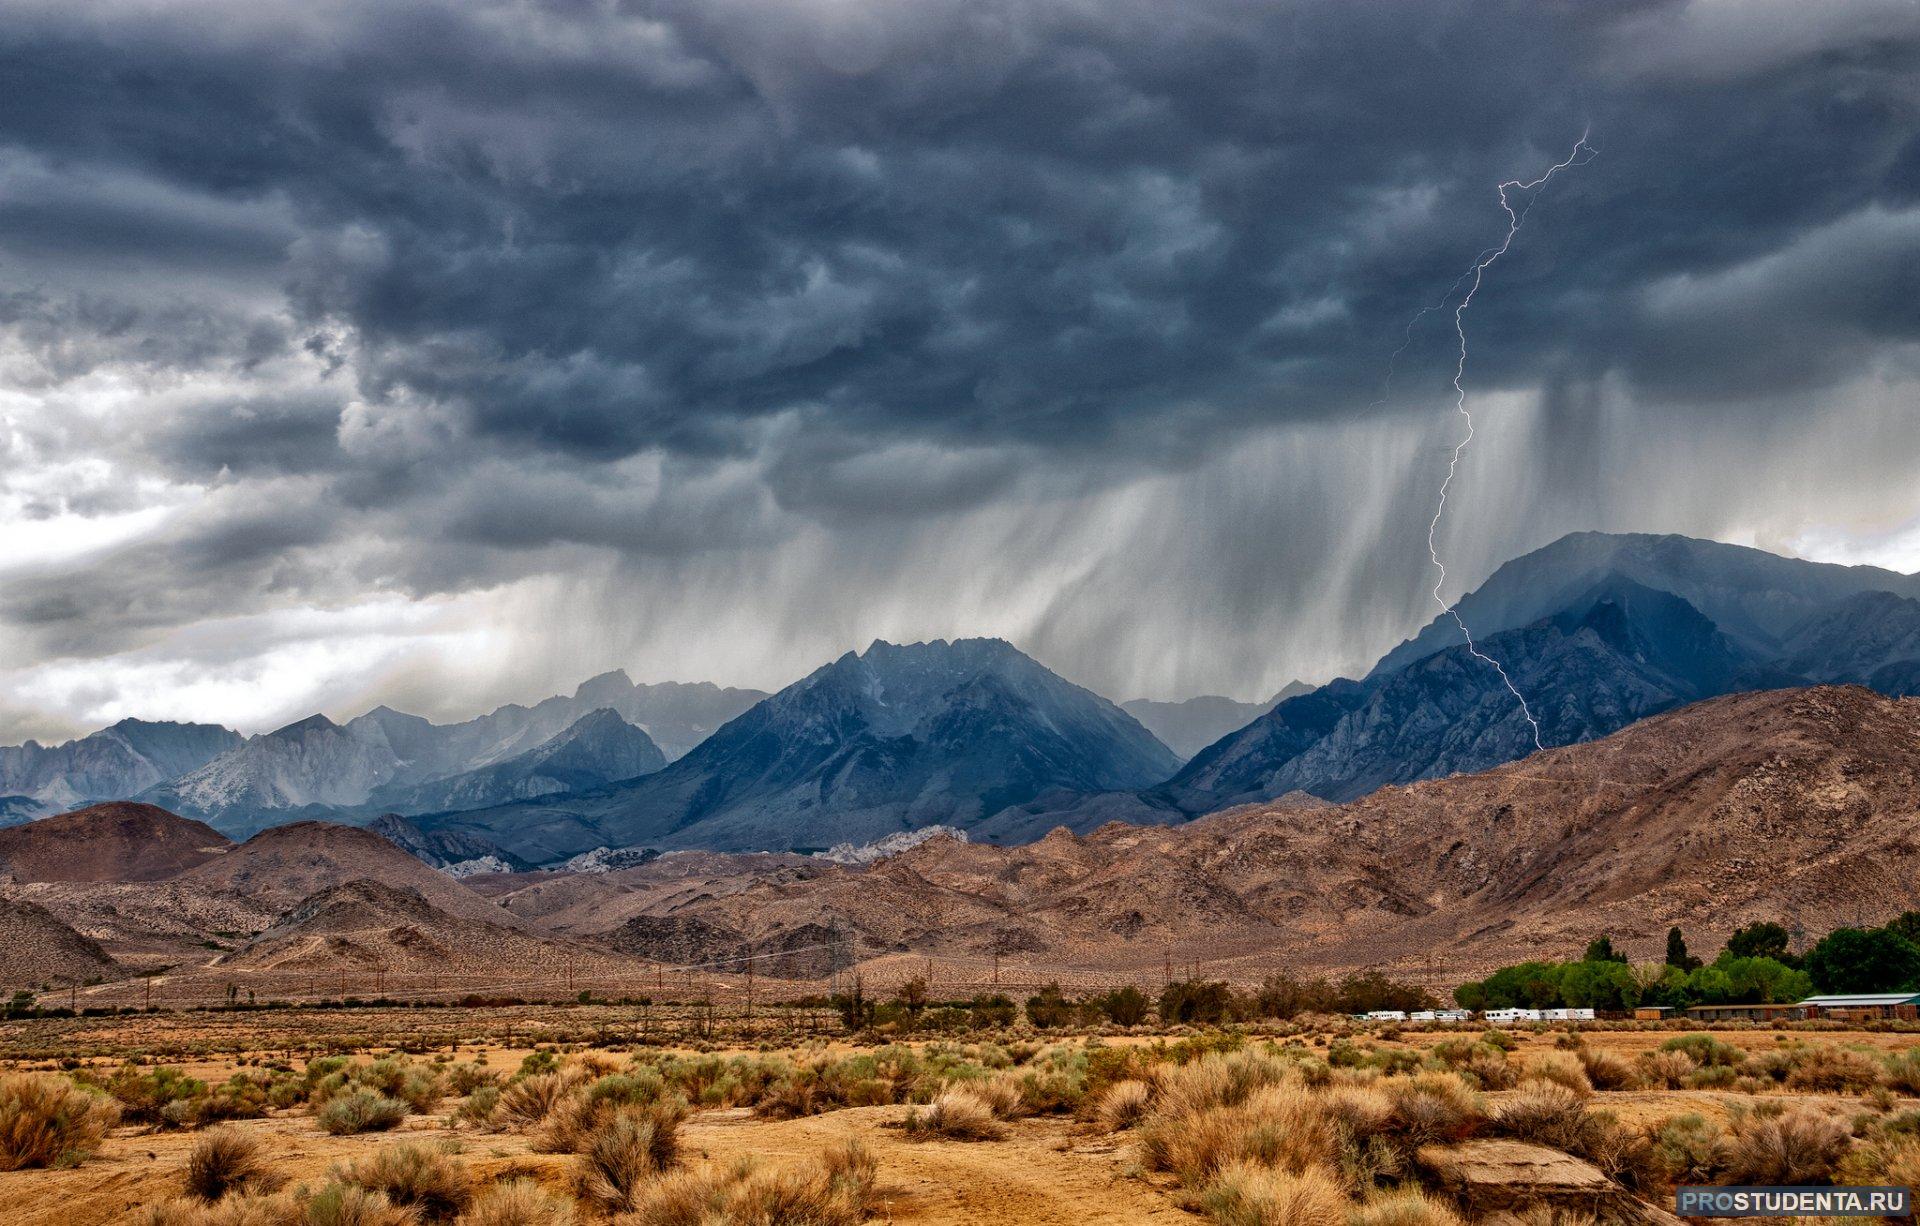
[604,229]
[453,283]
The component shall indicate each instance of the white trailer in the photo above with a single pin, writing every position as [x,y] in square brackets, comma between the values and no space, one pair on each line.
[1510,1017]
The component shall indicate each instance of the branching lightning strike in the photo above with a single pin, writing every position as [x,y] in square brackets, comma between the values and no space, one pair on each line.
[1478,274]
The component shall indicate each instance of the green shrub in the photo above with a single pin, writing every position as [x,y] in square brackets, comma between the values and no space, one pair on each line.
[361,1111]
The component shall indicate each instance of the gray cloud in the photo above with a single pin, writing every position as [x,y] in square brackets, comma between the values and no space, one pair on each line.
[1060,321]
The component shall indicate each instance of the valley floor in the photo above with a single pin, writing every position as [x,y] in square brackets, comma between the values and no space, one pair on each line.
[1056,1153]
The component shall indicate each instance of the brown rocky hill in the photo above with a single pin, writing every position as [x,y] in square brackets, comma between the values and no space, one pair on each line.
[365,925]
[1800,806]
[116,841]
[37,950]
[283,865]
[151,924]
[599,902]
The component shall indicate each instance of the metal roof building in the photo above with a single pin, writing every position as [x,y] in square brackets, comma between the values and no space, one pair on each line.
[1864,1004]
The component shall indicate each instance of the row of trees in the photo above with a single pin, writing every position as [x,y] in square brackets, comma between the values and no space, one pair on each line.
[1755,967]
[1186,1001]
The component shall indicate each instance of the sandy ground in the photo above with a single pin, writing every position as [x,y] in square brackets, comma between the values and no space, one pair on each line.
[1044,1171]
[1041,1173]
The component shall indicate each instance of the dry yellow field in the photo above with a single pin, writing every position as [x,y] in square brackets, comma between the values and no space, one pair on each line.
[1055,1158]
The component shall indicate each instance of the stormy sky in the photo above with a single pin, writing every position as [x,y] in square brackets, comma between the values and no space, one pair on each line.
[447,352]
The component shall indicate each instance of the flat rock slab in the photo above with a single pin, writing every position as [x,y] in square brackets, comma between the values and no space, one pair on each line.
[1495,1177]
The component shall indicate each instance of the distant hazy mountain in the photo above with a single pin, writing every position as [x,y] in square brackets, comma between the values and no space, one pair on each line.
[111,764]
[1873,638]
[1189,726]
[597,749]
[892,739]
[387,759]
[314,762]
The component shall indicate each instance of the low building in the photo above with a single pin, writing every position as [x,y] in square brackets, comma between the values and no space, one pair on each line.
[1779,1011]
[1651,1013]
[1863,1006]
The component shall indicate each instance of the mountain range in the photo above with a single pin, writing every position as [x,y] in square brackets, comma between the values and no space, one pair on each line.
[890,739]
[1594,632]
[1590,634]
[390,761]
[111,764]
[1796,806]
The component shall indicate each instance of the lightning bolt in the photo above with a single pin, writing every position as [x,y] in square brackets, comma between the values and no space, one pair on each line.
[1477,274]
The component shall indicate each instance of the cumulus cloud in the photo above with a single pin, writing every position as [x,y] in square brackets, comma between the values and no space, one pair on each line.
[711,338]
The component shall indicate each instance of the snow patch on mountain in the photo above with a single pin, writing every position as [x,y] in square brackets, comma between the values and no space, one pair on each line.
[891,845]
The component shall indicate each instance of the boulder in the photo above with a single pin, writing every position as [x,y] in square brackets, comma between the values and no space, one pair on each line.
[1496,1178]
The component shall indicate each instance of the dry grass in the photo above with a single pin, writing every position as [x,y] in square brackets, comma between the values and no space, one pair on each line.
[630,1146]
[1123,1105]
[1544,1113]
[836,1189]
[1491,1070]
[1834,1070]
[1794,1147]
[1434,1107]
[425,1178]
[1286,1127]
[1688,1149]
[1668,1070]
[225,1161]
[1241,1194]
[1003,1096]
[1561,1068]
[957,1115]
[530,1100]
[46,1120]
[518,1202]
[1406,1206]
[1608,1070]
[334,1204]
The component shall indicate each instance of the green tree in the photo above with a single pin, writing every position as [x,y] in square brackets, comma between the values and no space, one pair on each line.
[1048,1009]
[1677,954]
[1761,940]
[1196,1000]
[913,995]
[1371,990]
[1283,996]
[1533,985]
[1126,1006]
[1599,983]
[1869,960]
[1906,926]
[1752,981]
[1600,949]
